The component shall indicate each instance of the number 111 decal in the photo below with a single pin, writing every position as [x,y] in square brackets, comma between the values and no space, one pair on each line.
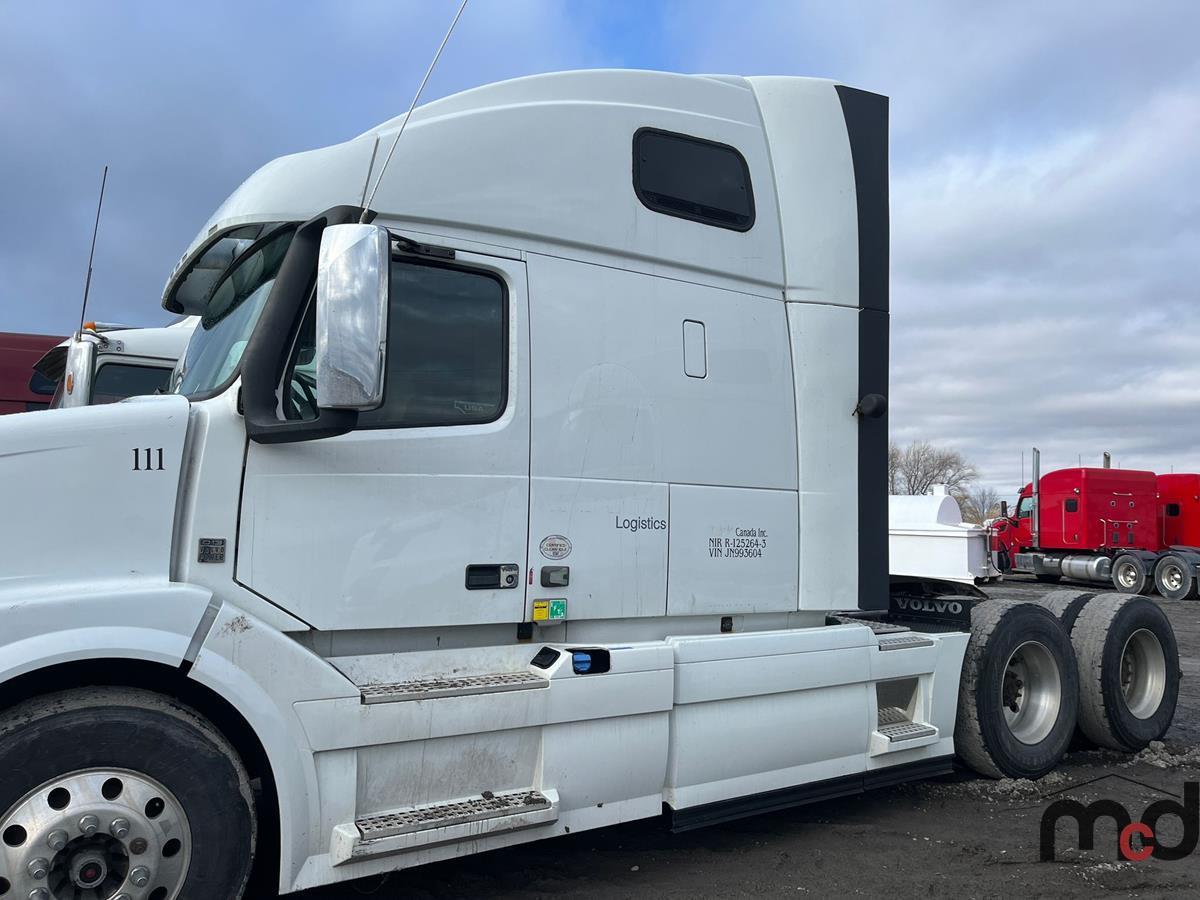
[145,463]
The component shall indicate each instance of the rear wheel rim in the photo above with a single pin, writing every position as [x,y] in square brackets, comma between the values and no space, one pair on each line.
[1031,692]
[1143,673]
[1127,575]
[95,833]
[1172,577]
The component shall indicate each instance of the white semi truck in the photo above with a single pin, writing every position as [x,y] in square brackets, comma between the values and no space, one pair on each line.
[546,493]
[107,363]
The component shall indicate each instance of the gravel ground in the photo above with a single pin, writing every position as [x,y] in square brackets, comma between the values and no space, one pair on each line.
[958,836]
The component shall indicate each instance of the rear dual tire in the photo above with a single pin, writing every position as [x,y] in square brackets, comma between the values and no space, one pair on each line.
[1128,663]
[1018,699]
[1130,575]
[1174,578]
[1128,671]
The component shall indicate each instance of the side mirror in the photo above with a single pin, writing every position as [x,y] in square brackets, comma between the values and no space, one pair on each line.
[1004,509]
[77,374]
[353,273]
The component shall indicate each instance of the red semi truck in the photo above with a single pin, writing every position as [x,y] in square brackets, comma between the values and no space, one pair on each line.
[1139,530]
[21,388]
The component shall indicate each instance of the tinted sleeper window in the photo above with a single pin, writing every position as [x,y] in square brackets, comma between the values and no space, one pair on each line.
[692,178]
[447,353]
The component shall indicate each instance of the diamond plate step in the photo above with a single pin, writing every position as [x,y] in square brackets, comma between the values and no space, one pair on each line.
[892,715]
[877,627]
[907,731]
[464,819]
[432,688]
[456,812]
[904,642]
[896,732]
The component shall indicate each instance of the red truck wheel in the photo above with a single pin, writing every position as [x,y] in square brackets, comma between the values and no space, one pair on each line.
[1174,579]
[1129,575]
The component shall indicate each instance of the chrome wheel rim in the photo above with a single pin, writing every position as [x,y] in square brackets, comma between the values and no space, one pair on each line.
[1127,575]
[1171,577]
[1143,673]
[95,834]
[1031,692]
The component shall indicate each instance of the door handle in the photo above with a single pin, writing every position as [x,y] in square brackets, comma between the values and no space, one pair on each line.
[493,576]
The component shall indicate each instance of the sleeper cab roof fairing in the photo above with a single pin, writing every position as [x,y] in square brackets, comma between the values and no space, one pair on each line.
[543,163]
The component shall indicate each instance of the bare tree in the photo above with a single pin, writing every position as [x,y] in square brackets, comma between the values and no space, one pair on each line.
[921,465]
[980,503]
[894,454]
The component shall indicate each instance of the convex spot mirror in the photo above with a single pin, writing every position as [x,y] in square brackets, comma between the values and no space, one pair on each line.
[353,270]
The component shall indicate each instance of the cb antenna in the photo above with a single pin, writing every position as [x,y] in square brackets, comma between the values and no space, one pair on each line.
[411,107]
[87,285]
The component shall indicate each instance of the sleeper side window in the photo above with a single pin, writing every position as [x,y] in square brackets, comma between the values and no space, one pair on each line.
[692,178]
[1172,509]
[1072,505]
[447,351]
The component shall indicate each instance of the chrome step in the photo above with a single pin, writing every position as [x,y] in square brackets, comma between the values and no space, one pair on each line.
[467,818]
[432,688]
[904,642]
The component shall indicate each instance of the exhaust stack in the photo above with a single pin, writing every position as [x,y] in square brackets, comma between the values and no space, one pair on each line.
[1037,477]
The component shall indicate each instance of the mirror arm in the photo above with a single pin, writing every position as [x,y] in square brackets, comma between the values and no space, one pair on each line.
[267,352]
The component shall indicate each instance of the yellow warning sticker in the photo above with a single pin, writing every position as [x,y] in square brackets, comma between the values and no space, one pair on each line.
[549,610]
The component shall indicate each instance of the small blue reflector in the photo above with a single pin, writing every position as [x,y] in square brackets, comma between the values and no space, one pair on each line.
[581,662]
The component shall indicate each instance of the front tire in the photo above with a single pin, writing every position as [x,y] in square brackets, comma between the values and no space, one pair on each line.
[118,790]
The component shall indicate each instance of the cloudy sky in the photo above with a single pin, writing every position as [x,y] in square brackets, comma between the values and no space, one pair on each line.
[1045,171]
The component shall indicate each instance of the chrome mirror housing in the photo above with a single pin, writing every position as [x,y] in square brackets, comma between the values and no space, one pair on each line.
[77,373]
[353,272]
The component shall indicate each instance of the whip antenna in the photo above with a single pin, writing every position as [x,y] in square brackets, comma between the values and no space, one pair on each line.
[87,284]
[411,107]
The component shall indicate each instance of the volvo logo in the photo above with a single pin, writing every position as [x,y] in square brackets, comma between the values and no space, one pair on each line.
[926,605]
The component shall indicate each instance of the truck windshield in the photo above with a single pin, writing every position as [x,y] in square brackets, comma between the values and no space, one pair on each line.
[230,314]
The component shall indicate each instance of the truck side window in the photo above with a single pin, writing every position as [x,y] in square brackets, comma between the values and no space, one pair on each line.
[1025,508]
[116,381]
[447,354]
[692,178]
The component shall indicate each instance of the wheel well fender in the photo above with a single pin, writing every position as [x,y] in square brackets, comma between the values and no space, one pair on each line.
[171,680]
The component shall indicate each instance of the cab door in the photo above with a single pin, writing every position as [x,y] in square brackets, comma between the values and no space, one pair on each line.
[419,516]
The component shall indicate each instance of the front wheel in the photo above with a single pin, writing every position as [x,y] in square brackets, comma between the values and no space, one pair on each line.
[114,792]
